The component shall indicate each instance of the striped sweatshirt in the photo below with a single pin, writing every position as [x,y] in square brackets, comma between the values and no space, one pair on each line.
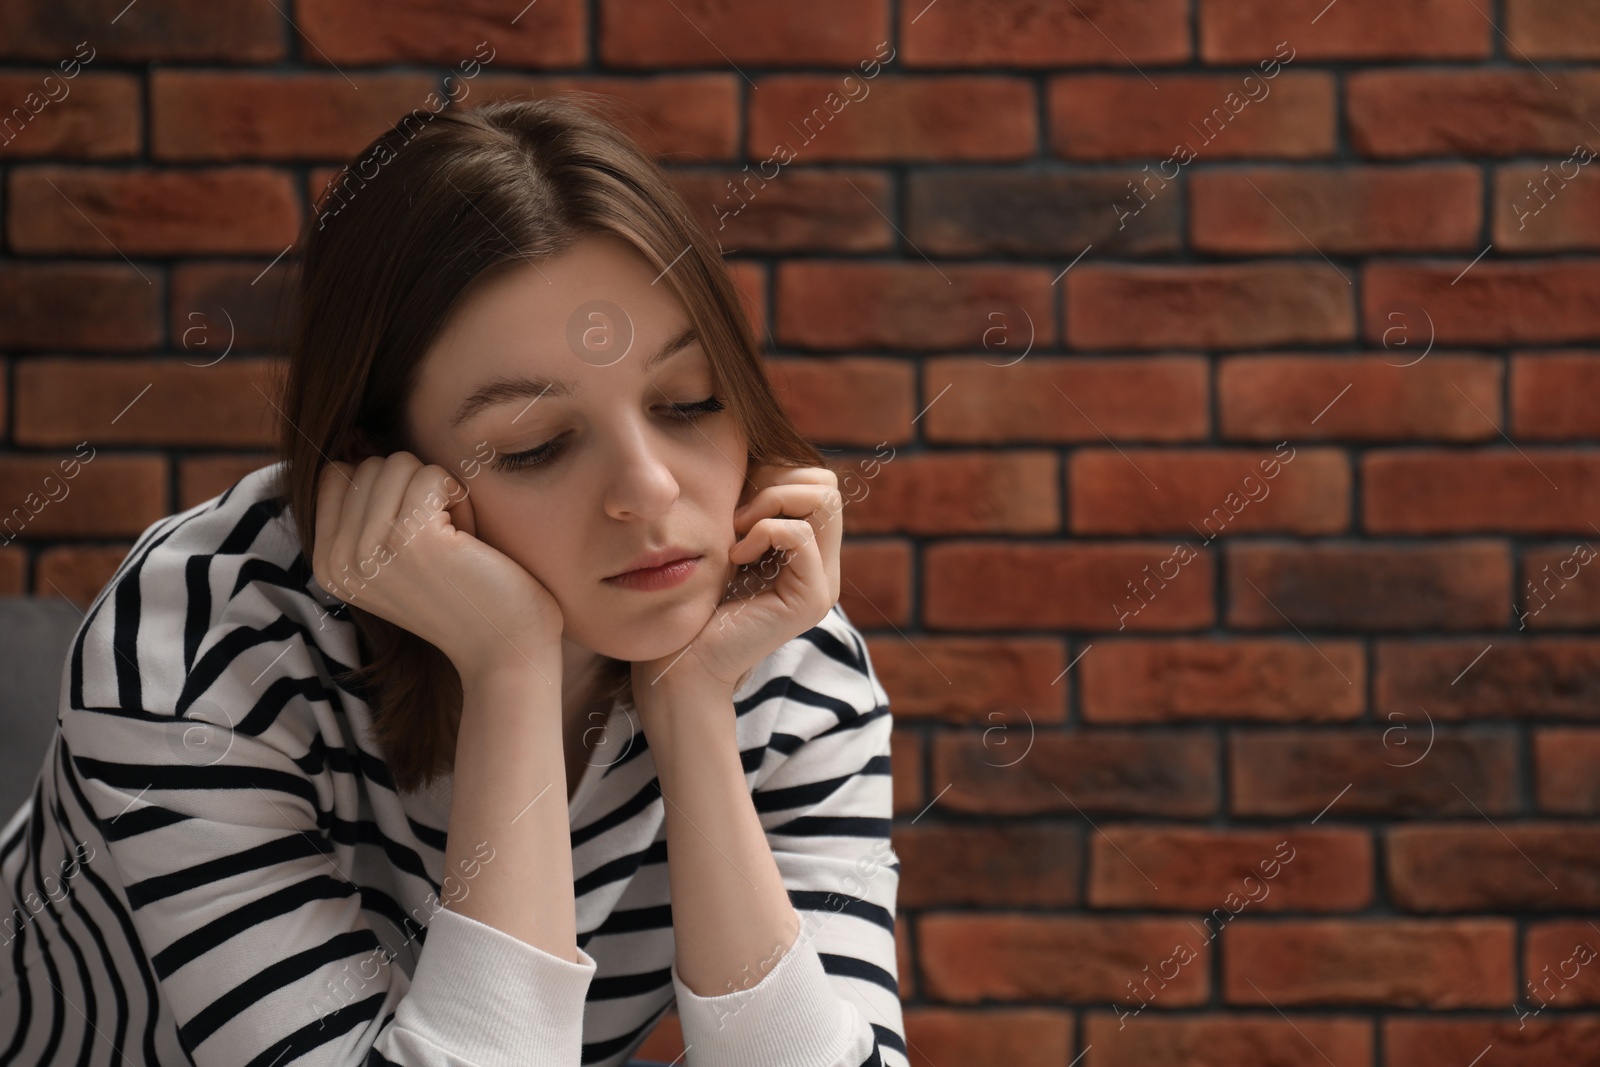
[214,866]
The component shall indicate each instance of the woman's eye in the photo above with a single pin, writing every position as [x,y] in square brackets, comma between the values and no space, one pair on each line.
[548,451]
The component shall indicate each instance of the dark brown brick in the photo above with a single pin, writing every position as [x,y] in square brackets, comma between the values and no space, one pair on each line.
[74,306]
[1283,1041]
[976,585]
[1480,866]
[1407,768]
[1033,214]
[1473,678]
[1566,769]
[1352,585]
[997,772]
[1034,866]
[796,211]
[1434,491]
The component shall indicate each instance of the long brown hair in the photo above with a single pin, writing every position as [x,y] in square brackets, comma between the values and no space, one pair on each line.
[434,204]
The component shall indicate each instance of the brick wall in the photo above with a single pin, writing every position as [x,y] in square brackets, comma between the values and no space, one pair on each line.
[1237,358]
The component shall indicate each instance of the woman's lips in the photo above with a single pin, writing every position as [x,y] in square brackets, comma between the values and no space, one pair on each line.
[653,578]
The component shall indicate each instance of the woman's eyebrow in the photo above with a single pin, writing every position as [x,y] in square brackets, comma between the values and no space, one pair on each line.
[514,387]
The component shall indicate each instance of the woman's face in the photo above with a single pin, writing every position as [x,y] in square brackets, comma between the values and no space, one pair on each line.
[625,474]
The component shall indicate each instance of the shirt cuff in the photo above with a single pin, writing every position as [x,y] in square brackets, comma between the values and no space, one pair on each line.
[792,1015]
[493,999]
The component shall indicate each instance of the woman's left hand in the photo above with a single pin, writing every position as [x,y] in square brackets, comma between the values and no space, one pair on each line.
[786,581]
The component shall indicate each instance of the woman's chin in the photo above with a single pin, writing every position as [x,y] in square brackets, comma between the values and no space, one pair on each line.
[664,633]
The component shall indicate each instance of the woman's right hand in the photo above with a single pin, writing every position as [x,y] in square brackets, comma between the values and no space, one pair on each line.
[382,547]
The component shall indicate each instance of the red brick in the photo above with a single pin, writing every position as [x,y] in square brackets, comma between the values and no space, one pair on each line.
[87,211]
[1548,207]
[1169,773]
[1352,585]
[202,477]
[875,582]
[1017,33]
[1032,214]
[70,306]
[839,304]
[1500,491]
[676,118]
[847,401]
[1387,963]
[1558,965]
[975,585]
[217,307]
[80,492]
[698,33]
[938,678]
[1266,680]
[1425,1042]
[1245,305]
[1182,117]
[553,33]
[1332,211]
[1552,29]
[1211,871]
[77,573]
[810,118]
[1018,1037]
[994,400]
[1473,678]
[1399,113]
[1477,866]
[183,31]
[971,958]
[1237,31]
[1222,1041]
[1002,866]
[799,211]
[63,401]
[907,762]
[1206,494]
[1303,397]
[1489,303]
[1566,769]
[1557,588]
[1544,386]
[956,493]
[90,116]
[208,115]
[1408,768]
[13,564]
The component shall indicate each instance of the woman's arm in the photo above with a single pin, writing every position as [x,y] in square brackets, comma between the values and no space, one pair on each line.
[509,789]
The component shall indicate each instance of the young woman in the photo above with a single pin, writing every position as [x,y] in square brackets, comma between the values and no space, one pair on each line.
[511,705]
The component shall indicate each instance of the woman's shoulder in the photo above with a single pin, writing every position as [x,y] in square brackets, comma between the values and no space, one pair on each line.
[198,590]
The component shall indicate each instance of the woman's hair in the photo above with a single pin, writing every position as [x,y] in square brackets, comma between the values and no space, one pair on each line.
[397,238]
